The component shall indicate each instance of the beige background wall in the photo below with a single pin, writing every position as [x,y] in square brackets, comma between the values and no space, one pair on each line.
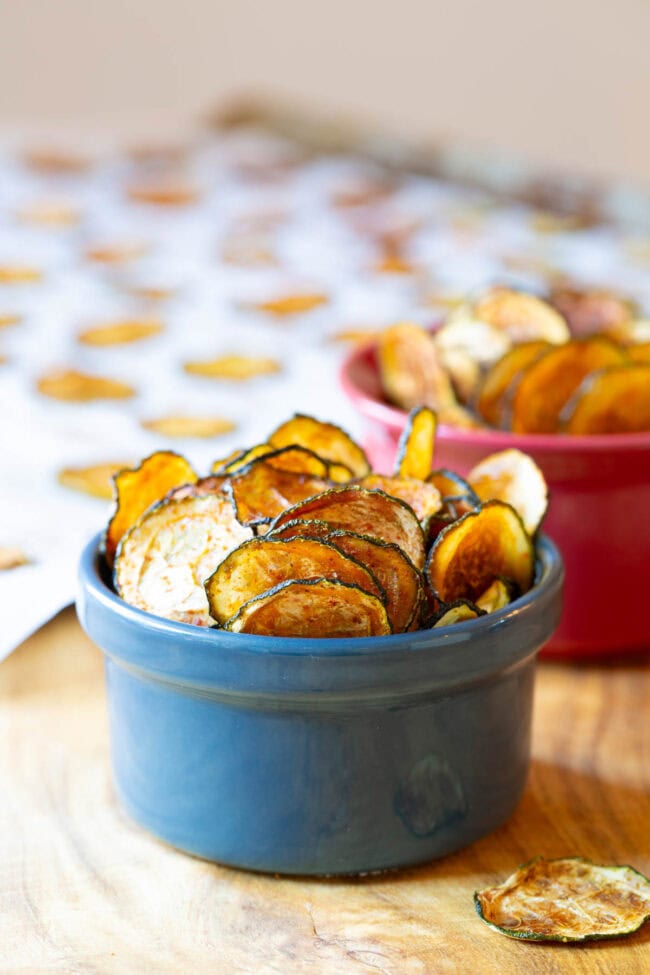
[564,81]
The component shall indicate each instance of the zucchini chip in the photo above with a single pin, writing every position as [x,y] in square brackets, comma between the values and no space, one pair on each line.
[364,512]
[614,400]
[96,480]
[326,440]
[313,608]
[514,477]
[238,459]
[260,492]
[195,427]
[491,402]
[592,311]
[569,899]
[305,529]
[640,352]
[496,596]
[237,368]
[422,497]
[164,559]
[412,371]
[415,449]
[482,342]
[449,484]
[523,317]
[121,333]
[547,384]
[213,484]
[456,612]
[471,553]
[263,563]
[138,488]
[12,558]
[79,387]
[287,305]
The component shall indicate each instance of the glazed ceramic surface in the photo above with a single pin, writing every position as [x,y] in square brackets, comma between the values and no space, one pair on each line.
[313,756]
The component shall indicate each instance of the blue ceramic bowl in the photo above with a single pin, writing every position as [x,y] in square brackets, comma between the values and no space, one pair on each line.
[312,756]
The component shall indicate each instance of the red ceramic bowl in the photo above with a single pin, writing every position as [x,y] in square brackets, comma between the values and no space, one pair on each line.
[599,513]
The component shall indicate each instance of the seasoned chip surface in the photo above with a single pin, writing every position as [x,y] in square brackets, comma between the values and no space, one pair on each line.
[260,492]
[324,439]
[164,559]
[514,477]
[79,387]
[568,899]
[422,497]
[315,608]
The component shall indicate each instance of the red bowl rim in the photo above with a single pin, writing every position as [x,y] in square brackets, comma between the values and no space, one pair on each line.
[393,418]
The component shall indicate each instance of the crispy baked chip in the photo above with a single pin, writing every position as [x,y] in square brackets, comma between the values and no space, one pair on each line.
[260,492]
[120,333]
[422,497]
[514,477]
[614,400]
[448,483]
[116,253]
[547,384]
[464,370]
[296,304]
[56,162]
[212,484]
[412,371]
[491,402]
[356,336]
[11,558]
[237,368]
[570,899]
[263,563]
[458,612]
[299,460]
[523,317]
[164,559]
[19,274]
[497,596]
[326,440]
[200,427]
[391,566]
[50,214]
[482,342]
[96,480]
[80,387]
[365,512]
[8,319]
[637,353]
[166,194]
[313,608]
[138,488]
[471,553]
[416,445]
[591,311]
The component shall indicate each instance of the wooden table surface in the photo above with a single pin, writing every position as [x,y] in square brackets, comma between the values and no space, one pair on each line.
[83,890]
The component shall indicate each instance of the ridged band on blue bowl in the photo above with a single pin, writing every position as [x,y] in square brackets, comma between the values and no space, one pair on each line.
[312,756]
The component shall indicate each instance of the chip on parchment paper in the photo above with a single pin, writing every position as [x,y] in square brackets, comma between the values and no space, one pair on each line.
[96,480]
[288,305]
[326,440]
[164,559]
[164,194]
[56,162]
[198,427]
[49,214]
[116,252]
[11,558]
[8,319]
[566,900]
[121,332]
[138,488]
[79,387]
[234,367]
[313,608]
[19,274]
[263,563]
[355,336]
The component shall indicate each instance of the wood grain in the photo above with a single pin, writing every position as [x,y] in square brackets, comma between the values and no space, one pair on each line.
[82,890]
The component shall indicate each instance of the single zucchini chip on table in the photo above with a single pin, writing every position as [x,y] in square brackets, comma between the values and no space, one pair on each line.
[326,440]
[190,427]
[73,386]
[313,608]
[164,559]
[237,368]
[260,492]
[415,450]
[491,400]
[514,477]
[365,512]
[96,480]
[138,488]
[472,552]
[614,400]
[262,564]
[569,899]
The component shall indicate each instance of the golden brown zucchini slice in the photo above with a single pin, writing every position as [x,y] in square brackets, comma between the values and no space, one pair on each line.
[220,466]
[449,484]
[640,352]
[365,512]
[138,488]
[96,480]
[570,899]
[326,440]
[416,445]
[491,402]
[298,460]
[614,400]
[482,342]
[309,528]
[313,608]
[422,497]
[237,368]
[213,484]
[547,384]
[260,492]
[592,311]
[297,304]
[514,477]
[80,387]
[189,427]
[412,371]
[472,552]
[239,459]
[523,317]
[457,612]
[497,596]
[263,563]
[120,333]
[391,566]
[164,559]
